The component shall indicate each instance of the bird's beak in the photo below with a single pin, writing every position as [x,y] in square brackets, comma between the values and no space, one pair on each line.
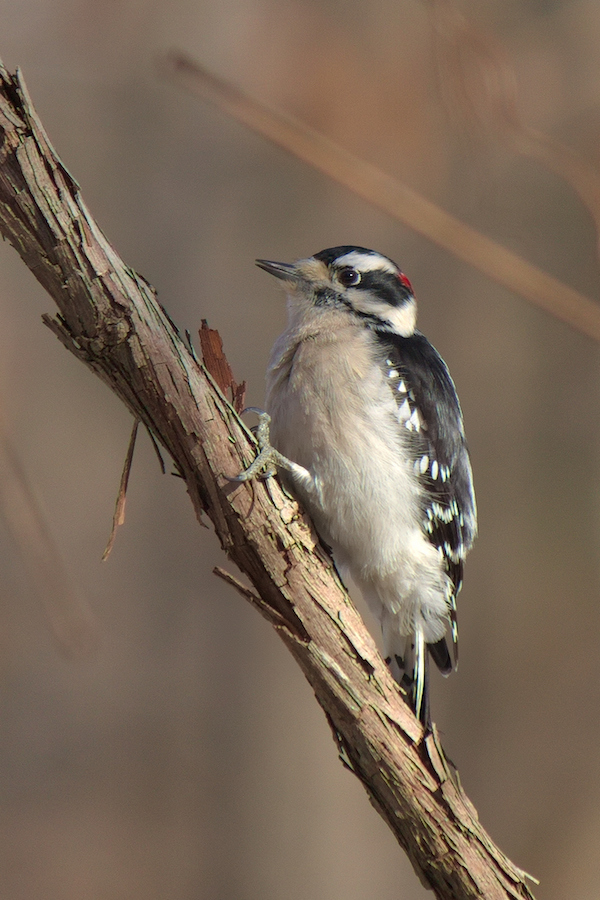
[285,271]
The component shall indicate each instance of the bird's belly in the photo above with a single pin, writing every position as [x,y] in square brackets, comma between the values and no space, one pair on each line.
[334,414]
[366,505]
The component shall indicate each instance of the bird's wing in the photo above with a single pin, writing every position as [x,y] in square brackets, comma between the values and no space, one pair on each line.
[428,408]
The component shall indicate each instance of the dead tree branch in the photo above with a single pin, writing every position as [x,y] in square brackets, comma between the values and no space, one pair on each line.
[110,319]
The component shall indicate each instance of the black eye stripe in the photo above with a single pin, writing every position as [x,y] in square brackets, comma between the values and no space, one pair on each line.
[385,287]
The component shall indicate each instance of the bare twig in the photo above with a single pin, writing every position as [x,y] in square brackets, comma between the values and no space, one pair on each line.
[110,319]
[267,611]
[394,198]
[119,514]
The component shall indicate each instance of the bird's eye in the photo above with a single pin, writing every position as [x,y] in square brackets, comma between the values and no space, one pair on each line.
[348,277]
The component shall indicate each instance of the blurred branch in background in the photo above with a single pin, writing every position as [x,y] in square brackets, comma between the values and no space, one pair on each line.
[71,620]
[479,87]
[109,318]
[393,197]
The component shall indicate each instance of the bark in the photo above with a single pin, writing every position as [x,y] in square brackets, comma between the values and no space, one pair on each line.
[110,319]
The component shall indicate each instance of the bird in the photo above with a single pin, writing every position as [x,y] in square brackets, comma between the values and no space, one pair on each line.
[363,423]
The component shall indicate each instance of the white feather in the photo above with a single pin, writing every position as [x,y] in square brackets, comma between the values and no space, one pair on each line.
[367,262]
[334,414]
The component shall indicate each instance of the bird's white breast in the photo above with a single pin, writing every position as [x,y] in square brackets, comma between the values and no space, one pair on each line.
[334,413]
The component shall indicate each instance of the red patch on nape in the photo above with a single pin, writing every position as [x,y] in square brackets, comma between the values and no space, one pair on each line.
[405,282]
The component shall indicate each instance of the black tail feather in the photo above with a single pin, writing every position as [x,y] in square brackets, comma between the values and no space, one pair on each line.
[441,656]
[404,671]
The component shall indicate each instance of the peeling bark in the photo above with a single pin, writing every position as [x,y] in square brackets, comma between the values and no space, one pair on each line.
[110,319]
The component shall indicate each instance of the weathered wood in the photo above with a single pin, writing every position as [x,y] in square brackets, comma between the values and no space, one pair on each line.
[218,365]
[110,319]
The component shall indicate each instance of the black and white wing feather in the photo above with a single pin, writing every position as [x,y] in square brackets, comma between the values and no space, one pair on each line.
[429,409]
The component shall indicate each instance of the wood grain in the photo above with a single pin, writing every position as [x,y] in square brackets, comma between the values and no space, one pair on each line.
[111,320]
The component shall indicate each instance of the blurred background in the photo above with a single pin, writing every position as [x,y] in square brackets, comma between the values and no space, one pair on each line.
[167,746]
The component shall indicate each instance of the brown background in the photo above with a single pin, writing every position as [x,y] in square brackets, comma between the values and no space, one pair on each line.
[186,758]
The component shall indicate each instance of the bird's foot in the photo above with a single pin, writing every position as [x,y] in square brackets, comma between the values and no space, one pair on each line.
[268,458]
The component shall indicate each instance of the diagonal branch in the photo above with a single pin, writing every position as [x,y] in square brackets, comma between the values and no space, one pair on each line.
[393,197]
[110,319]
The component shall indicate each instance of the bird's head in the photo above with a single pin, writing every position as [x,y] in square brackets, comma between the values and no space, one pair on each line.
[362,282]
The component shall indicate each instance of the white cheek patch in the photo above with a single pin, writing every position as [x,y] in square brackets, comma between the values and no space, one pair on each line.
[367,262]
[402,319]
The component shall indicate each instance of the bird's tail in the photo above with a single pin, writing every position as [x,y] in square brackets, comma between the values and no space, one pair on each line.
[411,671]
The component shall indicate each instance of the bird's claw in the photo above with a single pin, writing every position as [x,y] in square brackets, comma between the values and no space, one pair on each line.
[265,464]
